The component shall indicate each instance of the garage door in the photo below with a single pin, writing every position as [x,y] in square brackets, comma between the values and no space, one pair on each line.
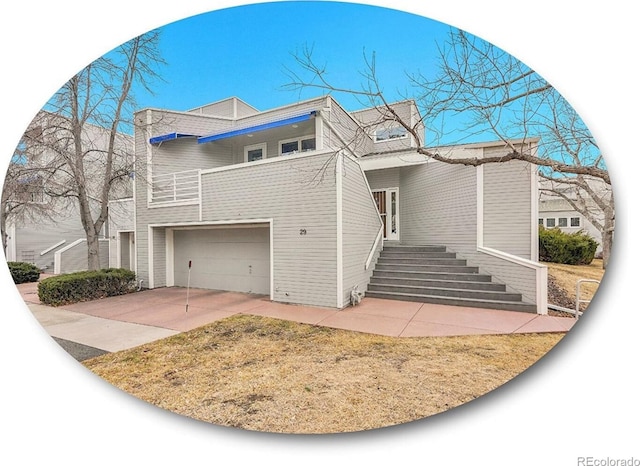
[232,259]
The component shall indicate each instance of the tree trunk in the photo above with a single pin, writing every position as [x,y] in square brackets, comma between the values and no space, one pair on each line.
[93,251]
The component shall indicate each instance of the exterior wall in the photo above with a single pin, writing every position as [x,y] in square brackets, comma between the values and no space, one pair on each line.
[438,206]
[508,207]
[371,120]
[299,194]
[361,225]
[382,179]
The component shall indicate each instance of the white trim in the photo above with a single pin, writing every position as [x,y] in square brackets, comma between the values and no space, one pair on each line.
[535,254]
[149,152]
[260,145]
[11,244]
[299,141]
[339,232]
[403,159]
[170,257]
[388,216]
[541,274]
[57,256]
[374,247]
[479,206]
[150,258]
[49,249]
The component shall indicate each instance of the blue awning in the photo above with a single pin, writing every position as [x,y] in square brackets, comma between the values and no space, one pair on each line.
[256,128]
[170,137]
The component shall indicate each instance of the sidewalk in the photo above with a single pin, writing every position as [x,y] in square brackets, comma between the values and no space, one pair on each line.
[120,322]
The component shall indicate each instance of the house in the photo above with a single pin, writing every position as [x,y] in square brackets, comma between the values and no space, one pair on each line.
[44,228]
[556,211]
[310,204]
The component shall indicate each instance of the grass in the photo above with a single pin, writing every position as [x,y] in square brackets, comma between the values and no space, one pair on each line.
[264,374]
[567,276]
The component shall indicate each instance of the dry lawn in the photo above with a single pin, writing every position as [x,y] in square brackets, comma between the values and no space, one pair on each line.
[271,375]
[567,276]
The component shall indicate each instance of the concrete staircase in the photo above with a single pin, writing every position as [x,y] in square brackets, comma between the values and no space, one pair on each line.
[431,274]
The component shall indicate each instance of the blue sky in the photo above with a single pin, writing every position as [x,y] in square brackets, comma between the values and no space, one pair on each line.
[243,51]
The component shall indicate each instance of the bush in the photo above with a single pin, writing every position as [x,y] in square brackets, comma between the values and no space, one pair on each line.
[23,272]
[86,286]
[566,248]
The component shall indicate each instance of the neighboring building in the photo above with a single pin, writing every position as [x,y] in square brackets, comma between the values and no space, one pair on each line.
[556,212]
[46,230]
[305,203]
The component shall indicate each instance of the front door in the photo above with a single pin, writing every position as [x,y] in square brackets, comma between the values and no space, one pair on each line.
[387,204]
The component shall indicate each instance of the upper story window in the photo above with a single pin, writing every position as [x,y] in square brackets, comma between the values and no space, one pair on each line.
[301,144]
[255,152]
[575,221]
[389,134]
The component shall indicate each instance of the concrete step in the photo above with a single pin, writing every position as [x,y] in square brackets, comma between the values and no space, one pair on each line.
[392,266]
[449,292]
[420,261]
[438,283]
[428,275]
[403,248]
[417,255]
[467,302]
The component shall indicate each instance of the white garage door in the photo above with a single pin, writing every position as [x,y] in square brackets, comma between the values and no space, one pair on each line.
[232,259]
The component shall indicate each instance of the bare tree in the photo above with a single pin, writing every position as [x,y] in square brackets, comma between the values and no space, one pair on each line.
[481,92]
[82,131]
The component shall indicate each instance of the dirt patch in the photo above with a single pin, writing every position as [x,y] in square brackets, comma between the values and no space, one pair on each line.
[270,375]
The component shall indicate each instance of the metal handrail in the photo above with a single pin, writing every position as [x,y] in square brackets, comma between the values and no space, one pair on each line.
[578,300]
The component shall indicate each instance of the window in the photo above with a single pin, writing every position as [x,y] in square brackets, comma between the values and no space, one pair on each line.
[551,222]
[562,222]
[387,134]
[255,152]
[292,146]
[575,221]
[541,221]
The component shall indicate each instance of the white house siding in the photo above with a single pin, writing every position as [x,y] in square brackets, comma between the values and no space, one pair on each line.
[508,217]
[382,179]
[299,195]
[361,224]
[438,206]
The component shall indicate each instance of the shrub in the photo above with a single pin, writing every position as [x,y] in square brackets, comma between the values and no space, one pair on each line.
[566,248]
[23,272]
[85,286]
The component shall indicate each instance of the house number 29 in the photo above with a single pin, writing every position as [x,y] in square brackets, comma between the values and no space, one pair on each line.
[303,231]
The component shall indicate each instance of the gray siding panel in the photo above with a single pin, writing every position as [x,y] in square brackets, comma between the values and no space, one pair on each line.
[382,179]
[361,224]
[507,208]
[438,205]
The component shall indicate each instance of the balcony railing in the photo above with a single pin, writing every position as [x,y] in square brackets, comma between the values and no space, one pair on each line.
[176,188]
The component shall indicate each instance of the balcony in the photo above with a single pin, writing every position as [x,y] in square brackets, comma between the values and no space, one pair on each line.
[180,188]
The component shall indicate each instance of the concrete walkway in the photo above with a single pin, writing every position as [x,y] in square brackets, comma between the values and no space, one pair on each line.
[121,322]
